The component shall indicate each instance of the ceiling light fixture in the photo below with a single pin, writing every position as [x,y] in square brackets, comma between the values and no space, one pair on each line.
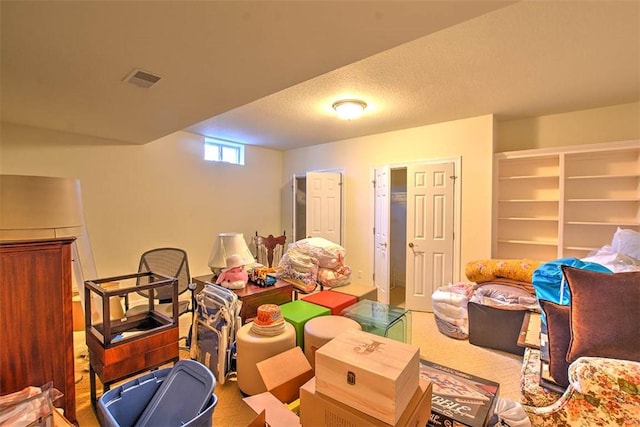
[349,109]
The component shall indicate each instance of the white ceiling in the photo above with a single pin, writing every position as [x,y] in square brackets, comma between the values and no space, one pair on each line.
[266,72]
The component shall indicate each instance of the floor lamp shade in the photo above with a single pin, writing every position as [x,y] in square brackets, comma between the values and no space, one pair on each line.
[36,207]
[228,244]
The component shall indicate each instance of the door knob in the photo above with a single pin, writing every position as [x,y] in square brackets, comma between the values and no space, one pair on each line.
[383,244]
[411,245]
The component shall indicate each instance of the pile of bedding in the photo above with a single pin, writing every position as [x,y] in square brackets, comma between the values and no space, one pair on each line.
[623,254]
[503,292]
[450,309]
[504,296]
[312,261]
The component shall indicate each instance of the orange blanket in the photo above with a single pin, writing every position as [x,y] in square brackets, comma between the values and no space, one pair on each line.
[485,270]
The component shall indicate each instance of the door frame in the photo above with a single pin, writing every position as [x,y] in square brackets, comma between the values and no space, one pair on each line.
[457,208]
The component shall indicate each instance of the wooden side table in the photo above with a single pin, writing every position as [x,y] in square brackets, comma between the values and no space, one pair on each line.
[123,347]
[530,331]
[253,296]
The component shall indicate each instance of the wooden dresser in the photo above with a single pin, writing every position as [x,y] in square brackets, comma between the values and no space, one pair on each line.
[36,320]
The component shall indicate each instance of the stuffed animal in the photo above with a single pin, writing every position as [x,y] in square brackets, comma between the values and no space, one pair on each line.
[234,276]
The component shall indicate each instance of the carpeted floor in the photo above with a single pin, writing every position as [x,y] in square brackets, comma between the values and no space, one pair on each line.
[231,411]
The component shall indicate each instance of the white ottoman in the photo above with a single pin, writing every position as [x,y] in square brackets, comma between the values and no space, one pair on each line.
[320,330]
[253,348]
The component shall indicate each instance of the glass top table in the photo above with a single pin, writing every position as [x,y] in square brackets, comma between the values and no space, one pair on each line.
[381,319]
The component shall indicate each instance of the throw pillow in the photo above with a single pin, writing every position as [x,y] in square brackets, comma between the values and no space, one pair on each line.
[559,337]
[605,314]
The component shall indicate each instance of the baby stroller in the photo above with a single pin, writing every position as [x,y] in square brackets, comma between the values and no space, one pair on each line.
[215,324]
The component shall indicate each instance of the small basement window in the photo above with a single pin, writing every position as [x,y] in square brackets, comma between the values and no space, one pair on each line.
[219,150]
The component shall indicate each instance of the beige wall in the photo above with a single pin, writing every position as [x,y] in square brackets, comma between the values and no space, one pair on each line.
[159,194]
[469,139]
[605,124]
[163,193]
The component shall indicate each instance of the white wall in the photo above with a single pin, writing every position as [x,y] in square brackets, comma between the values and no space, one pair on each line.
[159,194]
[162,193]
[470,139]
[603,124]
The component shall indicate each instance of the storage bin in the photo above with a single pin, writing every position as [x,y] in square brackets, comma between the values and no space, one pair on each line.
[126,404]
[496,328]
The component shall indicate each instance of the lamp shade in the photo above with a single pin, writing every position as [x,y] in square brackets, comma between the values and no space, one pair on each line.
[228,244]
[37,207]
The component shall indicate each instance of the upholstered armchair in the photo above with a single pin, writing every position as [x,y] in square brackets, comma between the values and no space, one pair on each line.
[601,392]
[593,354]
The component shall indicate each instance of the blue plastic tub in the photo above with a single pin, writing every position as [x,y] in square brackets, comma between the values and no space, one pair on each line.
[160,398]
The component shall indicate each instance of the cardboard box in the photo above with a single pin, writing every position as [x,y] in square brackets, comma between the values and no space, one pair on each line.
[270,411]
[284,374]
[373,374]
[459,399]
[319,410]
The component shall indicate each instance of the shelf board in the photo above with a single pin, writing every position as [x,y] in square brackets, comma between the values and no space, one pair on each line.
[603,176]
[528,201]
[603,200]
[519,177]
[612,224]
[529,242]
[515,218]
[580,248]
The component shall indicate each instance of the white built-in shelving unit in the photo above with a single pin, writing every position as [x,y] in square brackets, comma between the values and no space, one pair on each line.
[564,202]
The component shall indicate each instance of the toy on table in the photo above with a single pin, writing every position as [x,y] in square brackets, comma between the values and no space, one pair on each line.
[234,276]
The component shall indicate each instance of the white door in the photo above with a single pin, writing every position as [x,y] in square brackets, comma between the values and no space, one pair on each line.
[430,214]
[381,233]
[324,205]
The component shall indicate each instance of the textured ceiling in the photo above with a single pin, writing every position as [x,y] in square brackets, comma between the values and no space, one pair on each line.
[267,72]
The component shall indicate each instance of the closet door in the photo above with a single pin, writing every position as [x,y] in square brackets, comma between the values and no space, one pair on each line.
[430,213]
[381,229]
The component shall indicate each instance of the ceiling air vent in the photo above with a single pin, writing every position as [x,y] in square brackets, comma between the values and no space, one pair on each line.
[142,79]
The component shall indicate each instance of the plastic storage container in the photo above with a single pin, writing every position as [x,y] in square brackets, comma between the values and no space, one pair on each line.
[178,396]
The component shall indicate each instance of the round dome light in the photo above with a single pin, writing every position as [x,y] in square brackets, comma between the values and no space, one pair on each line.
[349,109]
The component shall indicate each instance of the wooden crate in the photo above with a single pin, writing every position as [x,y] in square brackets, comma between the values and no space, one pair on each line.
[372,374]
[317,410]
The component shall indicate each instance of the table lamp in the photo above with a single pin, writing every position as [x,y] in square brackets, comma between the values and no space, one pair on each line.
[226,245]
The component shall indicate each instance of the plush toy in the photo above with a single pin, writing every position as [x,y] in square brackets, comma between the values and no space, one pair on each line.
[234,276]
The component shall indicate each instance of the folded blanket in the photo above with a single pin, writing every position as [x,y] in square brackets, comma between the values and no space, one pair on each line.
[525,286]
[504,296]
[490,269]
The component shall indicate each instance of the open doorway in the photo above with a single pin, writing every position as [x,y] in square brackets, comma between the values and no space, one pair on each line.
[299,207]
[398,236]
